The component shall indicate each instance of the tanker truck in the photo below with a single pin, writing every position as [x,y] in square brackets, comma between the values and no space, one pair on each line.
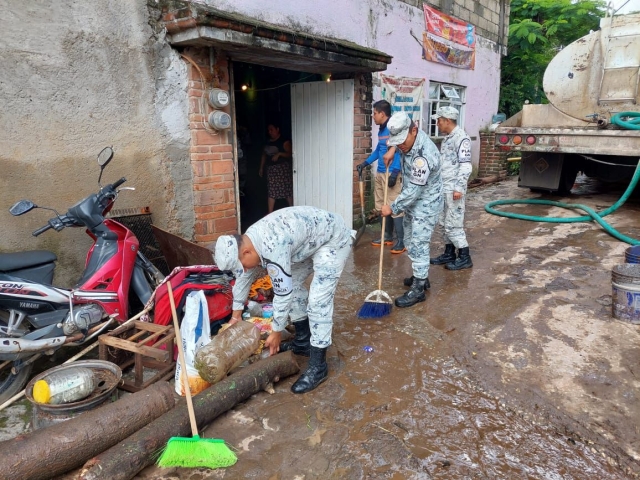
[587,83]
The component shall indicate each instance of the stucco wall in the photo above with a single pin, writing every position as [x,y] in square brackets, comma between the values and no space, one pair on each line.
[392,27]
[75,77]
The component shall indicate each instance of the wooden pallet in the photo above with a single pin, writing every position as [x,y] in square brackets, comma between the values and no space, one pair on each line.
[149,345]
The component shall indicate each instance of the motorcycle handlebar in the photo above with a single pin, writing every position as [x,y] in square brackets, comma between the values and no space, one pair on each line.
[118,183]
[42,230]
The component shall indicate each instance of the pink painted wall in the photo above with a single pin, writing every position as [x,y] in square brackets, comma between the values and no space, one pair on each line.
[387,26]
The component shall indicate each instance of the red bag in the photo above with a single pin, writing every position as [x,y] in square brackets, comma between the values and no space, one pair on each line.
[214,283]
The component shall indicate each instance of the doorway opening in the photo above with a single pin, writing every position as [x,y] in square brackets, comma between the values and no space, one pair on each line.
[262,98]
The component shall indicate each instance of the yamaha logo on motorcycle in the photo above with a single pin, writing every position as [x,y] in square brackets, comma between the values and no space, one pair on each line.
[40,318]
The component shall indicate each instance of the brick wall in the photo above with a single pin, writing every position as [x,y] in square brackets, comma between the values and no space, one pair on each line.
[362,142]
[211,151]
[493,160]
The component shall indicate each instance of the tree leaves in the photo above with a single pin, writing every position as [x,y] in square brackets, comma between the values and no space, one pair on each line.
[538,29]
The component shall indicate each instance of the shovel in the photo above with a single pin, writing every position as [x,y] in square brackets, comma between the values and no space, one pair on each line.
[364,219]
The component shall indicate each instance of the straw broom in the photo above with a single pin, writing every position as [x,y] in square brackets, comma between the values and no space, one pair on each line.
[378,303]
[192,452]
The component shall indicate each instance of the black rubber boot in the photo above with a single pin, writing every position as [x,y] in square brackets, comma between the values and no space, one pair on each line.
[317,372]
[301,343]
[408,281]
[399,245]
[463,261]
[414,295]
[448,256]
[388,233]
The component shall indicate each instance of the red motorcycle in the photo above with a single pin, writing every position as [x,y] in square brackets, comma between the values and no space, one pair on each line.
[37,318]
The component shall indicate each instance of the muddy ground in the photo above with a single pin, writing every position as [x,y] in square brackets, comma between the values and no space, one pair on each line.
[512,369]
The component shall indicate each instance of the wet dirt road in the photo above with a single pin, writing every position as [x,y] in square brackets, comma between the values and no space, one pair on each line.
[512,369]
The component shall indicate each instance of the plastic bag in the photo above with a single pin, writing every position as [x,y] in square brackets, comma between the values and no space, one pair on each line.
[226,351]
[196,333]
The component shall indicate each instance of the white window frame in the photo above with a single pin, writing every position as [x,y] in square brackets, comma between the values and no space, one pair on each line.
[441,94]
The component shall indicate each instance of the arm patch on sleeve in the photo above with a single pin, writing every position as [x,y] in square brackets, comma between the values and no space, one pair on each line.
[281,280]
[419,171]
[464,151]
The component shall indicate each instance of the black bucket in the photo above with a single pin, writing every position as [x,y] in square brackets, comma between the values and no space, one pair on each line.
[625,284]
[632,254]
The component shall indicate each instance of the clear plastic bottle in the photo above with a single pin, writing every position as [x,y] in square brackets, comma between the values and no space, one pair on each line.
[228,349]
[66,386]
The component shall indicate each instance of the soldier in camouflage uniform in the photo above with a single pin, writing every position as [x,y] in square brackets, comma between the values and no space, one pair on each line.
[455,153]
[292,243]
[420,200]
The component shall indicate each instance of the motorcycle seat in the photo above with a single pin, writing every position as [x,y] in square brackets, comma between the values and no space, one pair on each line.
[21,260]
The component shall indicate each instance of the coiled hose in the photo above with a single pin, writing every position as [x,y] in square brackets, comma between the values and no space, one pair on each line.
[632,124]
[592,214]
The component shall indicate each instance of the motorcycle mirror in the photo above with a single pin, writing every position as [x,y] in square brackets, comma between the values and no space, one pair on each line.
[105,156]
[23,206]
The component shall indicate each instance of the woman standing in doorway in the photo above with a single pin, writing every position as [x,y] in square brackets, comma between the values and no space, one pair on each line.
[276,156]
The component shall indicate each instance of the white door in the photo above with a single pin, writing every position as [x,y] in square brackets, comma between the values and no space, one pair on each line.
[322,142]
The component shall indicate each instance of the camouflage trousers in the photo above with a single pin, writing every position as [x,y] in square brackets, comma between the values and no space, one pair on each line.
[452,221]
[418,227]
[326,265]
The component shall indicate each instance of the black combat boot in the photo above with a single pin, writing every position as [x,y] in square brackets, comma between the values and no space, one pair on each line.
[399,245]
[301,343]
[448,256]
[408,281]
[317,372]
[463,260]
[414,295]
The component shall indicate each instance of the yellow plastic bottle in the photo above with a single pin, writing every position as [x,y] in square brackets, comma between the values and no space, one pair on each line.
[69,385]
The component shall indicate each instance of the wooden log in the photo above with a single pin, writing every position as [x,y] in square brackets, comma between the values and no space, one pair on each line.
[67,445]
[125,460]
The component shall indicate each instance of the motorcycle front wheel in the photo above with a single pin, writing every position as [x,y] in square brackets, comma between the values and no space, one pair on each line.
[11,384]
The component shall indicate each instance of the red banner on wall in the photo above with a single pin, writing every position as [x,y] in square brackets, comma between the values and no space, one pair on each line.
[449,28]
[448,40]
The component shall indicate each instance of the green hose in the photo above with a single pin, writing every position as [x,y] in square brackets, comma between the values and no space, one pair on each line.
[632,124]
[592,214]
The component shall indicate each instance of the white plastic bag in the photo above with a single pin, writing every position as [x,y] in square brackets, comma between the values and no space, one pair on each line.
[196,333]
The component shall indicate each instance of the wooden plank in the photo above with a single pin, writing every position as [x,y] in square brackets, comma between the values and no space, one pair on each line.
[162,355]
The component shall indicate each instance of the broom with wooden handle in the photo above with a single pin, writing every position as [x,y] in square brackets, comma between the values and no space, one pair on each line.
[378,303]
[192,452]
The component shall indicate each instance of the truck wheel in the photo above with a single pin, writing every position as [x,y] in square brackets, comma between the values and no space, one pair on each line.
[567,180]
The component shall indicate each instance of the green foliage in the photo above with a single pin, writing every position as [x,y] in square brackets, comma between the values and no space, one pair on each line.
[538,29]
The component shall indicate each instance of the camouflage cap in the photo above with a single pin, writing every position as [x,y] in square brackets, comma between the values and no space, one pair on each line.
[446,112]
[399,125]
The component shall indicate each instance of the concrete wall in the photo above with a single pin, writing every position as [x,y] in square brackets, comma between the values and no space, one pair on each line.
[76,77]
[394,27]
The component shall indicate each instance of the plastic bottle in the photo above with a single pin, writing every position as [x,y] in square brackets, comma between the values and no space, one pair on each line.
[228,349]
[267,310]
[66,386]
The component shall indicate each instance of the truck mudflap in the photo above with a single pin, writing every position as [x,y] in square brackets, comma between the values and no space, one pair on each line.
[553,172]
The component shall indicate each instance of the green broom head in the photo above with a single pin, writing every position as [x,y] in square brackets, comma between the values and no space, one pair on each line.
[196,452]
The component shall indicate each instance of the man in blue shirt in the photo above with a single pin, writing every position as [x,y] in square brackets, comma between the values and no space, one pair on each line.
[381,115]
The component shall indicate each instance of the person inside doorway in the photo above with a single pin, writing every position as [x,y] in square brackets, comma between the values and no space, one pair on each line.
[276,159]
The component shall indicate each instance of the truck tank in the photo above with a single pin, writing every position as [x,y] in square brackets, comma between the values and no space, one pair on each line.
[598,74]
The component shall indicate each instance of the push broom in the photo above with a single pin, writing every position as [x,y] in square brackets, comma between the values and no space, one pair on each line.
[378,303]
[192,452]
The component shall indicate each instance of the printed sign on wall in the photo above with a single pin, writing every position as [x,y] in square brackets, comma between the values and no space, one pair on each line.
[448,40]
[404,94]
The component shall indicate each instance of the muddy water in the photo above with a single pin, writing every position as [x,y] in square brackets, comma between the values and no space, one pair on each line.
[530,323]
[406,410]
